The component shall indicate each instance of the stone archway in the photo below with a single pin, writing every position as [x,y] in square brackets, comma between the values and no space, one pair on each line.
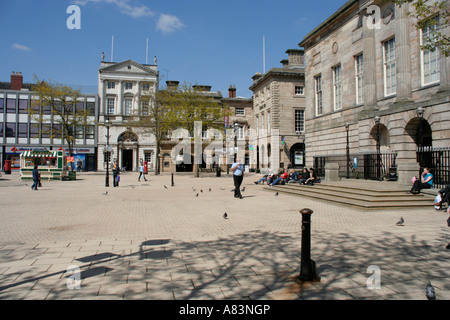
[127,150]
[297,155]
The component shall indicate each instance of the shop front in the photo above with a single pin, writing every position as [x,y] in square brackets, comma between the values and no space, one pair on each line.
[52,165]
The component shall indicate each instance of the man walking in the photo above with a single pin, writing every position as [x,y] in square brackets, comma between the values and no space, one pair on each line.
[238,175]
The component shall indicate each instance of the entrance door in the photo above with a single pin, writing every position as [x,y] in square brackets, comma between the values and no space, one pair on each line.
[127,160]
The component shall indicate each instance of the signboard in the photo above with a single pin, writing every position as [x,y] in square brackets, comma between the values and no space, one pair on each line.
[70,159]
[355,163]
[298,158]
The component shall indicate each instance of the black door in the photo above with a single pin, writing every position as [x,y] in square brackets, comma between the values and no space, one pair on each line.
[127,160]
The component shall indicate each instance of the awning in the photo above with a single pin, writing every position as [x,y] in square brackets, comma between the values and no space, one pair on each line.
[39,154]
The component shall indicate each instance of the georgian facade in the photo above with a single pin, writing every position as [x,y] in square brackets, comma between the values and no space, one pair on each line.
[375,82]
[120,87]
[278,115]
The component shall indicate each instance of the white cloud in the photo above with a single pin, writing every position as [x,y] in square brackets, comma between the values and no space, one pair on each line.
[21,47]
[168,23]
[124,7]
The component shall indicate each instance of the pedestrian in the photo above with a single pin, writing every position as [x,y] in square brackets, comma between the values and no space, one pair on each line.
[116,174]
[238,176]
[79,165]
[425,182]
[304,177]
[141,172]
[36,178]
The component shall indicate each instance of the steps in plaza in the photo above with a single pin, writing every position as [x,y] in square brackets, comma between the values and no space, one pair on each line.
[358,196]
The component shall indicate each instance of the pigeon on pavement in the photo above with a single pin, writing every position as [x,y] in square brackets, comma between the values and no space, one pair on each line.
[429,291]
[105,193]
[225,216]
[165,186]
[276,194]
[400,222]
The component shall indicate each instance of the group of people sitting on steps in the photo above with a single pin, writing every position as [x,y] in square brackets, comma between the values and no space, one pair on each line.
[308,177]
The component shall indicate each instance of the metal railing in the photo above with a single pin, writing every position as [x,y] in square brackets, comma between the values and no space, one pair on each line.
[369,165]
[438,161]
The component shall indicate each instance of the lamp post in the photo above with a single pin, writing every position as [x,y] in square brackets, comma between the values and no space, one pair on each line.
[236,126]
[347,127]
[107,125]
[377,121]
[420,112]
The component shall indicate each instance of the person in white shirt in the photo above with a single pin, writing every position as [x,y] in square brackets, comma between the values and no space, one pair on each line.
[238,176]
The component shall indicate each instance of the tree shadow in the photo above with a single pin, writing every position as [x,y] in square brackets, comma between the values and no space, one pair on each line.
[265,265]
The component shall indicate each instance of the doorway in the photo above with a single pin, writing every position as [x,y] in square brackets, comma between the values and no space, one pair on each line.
[127,160]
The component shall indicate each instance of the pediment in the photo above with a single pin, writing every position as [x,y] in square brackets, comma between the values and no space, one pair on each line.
[128,67]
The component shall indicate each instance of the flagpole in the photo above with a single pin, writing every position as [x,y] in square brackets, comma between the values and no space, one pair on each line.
[264,54]
[146,53]
[112,49]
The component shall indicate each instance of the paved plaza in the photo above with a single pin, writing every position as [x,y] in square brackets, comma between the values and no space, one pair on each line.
[149,240]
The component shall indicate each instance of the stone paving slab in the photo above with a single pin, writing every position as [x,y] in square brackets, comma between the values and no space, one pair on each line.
[143,241]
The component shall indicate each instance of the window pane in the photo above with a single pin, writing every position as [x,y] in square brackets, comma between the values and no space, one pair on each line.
[11,105]
[23,106]
[10,130]
[90,108]
[23,130]
[1,105]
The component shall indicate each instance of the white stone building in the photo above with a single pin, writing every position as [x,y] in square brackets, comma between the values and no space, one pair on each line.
[120,87]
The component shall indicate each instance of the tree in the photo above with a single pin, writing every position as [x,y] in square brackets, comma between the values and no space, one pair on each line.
[151,118]
[168,110]
[57,112]
[425,12]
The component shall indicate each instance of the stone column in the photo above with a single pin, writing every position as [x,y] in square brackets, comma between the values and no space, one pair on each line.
[403,52]
[444,61]
[103,98]
[120,99]
[370,67]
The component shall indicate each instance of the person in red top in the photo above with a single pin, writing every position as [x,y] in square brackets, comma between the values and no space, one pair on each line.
[282,177]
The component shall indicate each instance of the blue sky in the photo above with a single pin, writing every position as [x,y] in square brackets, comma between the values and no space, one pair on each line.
[207,42]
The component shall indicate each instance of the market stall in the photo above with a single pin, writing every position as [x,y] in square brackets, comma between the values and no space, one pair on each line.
[51,164]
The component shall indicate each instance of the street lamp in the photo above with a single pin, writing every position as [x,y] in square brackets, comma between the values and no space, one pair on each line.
[377,121]
[107,150]
[420,112]
[347,127]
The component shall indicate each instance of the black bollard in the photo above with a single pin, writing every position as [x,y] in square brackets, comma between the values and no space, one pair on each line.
[308,270]
[172,183]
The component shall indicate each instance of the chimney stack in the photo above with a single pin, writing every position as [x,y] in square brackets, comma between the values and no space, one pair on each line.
[172,85]
[16,81]
[232,92]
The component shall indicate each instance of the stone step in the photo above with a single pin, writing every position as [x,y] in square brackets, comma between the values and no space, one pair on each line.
[363,198]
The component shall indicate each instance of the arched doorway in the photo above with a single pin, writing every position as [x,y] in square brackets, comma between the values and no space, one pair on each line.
[420,132]
[297,155]
[127,144]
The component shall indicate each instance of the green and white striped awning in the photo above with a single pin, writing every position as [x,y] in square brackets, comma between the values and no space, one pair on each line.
[39,154]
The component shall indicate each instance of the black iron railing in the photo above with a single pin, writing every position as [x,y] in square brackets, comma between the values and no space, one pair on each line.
[370,166]
[438,161]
